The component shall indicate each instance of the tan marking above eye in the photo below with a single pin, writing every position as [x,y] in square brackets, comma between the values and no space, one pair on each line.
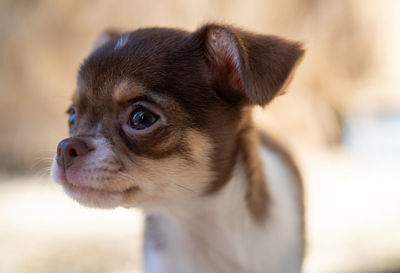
[127,90]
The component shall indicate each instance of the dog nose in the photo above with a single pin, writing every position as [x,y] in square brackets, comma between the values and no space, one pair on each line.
[69,150]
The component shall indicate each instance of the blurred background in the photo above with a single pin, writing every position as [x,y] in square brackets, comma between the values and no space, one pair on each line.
[340,116]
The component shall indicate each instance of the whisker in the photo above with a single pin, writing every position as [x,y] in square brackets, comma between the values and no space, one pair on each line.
[41,161]
[43,172]
[125,175]
[184,187]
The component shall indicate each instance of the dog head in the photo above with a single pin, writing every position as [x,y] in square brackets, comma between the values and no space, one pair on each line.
[157,112]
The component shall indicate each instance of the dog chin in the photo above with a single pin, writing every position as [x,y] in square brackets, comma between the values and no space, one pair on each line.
[95,198]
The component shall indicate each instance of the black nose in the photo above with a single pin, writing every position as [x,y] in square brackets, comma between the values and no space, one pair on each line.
[69,150]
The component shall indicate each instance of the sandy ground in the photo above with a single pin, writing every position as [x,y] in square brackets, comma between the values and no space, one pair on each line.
[353,224]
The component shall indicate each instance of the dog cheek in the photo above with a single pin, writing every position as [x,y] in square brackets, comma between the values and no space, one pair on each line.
[178,176]
[171,178]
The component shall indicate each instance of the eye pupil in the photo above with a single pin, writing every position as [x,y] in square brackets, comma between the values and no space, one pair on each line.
[142,119]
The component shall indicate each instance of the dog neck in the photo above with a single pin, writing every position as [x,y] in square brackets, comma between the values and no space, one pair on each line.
[213,206]
[219,232]
[228,223]
[208,224]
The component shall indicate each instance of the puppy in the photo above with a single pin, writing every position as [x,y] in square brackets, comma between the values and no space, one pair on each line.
[161,120]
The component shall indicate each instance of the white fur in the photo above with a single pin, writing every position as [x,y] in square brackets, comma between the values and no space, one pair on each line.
[122,41]
[101,40]
[217,234]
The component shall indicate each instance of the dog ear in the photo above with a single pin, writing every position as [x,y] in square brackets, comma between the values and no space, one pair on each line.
[105,37]
[256,67]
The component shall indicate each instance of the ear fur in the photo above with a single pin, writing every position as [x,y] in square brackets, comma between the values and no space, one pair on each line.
[105,37]
[256,66]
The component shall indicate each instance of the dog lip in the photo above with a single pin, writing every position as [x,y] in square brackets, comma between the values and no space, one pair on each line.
[91,190]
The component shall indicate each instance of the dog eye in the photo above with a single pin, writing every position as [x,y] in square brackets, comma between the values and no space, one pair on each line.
[72,115]
[142,118]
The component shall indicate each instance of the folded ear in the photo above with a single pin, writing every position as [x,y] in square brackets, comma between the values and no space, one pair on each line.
[105,37]
[254,66]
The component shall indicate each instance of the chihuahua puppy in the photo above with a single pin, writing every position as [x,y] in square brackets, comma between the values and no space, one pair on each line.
[161,120]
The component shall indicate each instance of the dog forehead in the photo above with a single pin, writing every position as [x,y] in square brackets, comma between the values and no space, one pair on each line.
[155,57]
[134,51]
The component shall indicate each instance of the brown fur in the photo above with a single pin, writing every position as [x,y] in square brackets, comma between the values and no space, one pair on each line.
[200,83]
[257,194]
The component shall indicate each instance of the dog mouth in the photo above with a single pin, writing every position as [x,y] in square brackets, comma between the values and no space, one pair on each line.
[93,196]
[90,191]
[99,197]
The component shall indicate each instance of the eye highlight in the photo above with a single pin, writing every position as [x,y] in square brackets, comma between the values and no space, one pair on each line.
[72,115]
[141,119]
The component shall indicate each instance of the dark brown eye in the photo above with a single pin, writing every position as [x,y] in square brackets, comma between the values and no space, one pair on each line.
[142,118]
[72,115]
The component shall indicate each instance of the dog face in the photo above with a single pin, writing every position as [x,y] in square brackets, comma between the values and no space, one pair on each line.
[157,112]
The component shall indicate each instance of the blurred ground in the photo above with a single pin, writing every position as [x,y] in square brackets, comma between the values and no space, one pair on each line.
[341,116]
